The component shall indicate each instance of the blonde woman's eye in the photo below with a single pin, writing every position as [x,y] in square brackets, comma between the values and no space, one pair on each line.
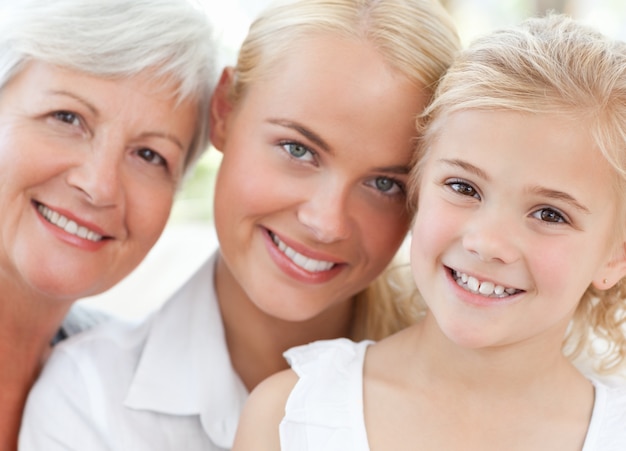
[298,151]
[387,186]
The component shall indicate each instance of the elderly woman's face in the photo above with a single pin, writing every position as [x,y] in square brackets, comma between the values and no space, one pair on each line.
[89,169]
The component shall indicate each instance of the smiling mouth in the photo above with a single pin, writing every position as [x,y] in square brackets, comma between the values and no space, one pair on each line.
[67,225]
[306,263]
[487,289]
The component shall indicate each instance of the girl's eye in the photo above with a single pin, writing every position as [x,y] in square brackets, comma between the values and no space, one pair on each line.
[299,151]
[152,157]
[388,185]
[67,117]
[463,188]
[550,215]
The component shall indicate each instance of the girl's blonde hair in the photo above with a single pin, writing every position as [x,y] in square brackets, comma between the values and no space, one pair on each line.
[417,38]
[550,65]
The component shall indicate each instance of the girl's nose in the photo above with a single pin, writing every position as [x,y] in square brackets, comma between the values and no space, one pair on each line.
[492,239]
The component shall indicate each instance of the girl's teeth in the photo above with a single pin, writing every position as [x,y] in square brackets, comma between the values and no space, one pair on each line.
[300,260]
[68,225]
[485,288]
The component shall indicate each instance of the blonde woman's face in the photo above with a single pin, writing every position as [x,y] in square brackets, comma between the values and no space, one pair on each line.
[310,197]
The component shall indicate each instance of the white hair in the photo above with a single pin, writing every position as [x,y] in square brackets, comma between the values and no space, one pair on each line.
[113,39]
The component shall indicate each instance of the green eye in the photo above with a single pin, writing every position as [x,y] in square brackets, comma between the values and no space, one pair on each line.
[297,150]
[384,184]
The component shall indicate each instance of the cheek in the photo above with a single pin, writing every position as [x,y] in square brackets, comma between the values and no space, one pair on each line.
[562,267]
[147,212]
[382,233]
[246,188]
[434,228]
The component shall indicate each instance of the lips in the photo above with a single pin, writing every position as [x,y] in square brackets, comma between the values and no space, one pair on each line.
[68,225]
[484,288]
[306,263]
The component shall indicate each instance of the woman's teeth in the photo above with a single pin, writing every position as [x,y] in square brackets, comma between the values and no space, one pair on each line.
[300,260]
[488,289]
[67,224]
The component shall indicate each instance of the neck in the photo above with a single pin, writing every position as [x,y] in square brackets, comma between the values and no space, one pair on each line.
[27,326]
[537,361]
[256,340]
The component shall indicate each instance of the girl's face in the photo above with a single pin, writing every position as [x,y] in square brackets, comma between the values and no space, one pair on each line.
[310,196]
[89,170]
[516,219]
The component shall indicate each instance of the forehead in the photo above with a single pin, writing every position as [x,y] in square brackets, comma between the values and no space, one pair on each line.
[524,147]
[339,87]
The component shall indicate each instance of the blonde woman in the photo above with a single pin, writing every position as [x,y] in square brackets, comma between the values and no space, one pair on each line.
[316,127]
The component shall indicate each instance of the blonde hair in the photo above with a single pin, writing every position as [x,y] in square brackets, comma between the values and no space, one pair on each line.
[551,65]
[417,38]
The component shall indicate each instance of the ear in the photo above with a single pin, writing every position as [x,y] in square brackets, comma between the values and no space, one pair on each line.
[613,271]
[221,107]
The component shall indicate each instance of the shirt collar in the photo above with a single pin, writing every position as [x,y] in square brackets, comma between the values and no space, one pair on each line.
[185,368]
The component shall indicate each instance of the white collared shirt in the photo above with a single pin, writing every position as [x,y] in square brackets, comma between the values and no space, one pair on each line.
[165,384]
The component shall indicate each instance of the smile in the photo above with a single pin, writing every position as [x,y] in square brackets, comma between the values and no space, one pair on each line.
[488,289]
[306,263]
[68,225]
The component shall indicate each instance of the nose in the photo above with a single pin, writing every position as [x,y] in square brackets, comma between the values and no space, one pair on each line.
[98,175]
[326,214]
[492,238]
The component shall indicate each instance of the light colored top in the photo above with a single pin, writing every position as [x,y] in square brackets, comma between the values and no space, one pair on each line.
[325,408]
[79,319]
[164,384]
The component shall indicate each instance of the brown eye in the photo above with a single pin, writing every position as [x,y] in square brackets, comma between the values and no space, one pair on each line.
[152,157]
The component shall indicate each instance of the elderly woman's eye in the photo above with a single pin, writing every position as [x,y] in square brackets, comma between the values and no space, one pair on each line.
[67,117]
[152,157]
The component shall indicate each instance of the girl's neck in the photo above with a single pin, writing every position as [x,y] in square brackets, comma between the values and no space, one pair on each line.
[537,359]
[256,341]
[27,327]
[521,396]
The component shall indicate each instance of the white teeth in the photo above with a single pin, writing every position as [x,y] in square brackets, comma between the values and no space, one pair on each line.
[71,227]
[300,260]
[474,285]
[486,288]
[68,225]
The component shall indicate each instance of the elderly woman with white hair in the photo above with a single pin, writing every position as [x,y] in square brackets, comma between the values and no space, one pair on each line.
[103,108]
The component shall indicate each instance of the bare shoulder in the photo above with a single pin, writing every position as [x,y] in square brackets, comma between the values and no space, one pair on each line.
[263,412]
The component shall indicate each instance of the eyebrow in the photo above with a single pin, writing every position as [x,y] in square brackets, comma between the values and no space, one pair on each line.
[307,133]
[78,98]
[466,166]
[560,195]
[95,111]
[538,190]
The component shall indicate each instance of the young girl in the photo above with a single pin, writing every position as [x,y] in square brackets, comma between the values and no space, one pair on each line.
[518,242]
[316,127]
